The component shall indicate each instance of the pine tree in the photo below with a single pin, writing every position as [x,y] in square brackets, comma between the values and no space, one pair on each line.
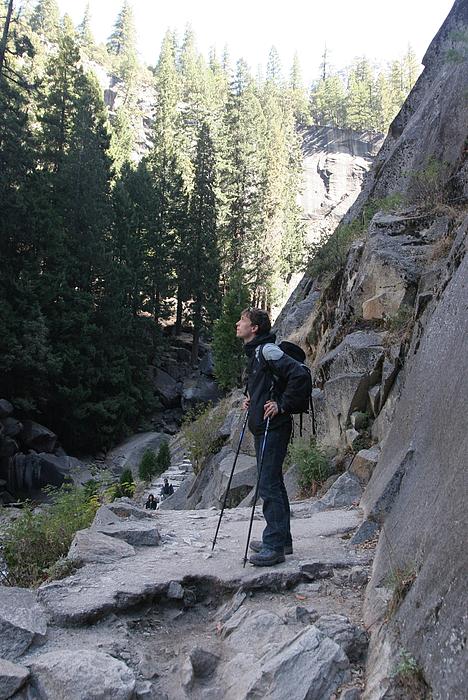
[359,98]
[298,94]
[85,34]
[411,68]
[273,73]
[382,111]
[122,45]
[397,85]
[228,351]
[202,242]
[45,20]
[148,466]
[166,169]
[328,102]
[193,105]
[164,457]
[242,173]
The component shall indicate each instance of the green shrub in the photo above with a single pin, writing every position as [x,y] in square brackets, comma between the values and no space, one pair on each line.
[126,485]
[35,541]
[312,464]
[427,185]
[409,679]
[201,432]
[148,466]
[164,457]
[400,581]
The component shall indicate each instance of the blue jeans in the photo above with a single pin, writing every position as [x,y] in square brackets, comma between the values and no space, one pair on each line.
[277,533]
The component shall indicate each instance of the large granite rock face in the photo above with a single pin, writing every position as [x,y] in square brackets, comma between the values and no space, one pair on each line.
[432,124]
[418,491]
[335,162]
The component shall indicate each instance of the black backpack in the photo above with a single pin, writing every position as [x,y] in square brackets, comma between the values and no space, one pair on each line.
[305,398]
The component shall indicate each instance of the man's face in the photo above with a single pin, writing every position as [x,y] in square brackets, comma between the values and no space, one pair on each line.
[245,329]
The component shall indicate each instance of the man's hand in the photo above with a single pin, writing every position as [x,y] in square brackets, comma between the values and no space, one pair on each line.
[270,410]
[246,404]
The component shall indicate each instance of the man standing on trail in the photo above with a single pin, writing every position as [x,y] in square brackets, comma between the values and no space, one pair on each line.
[272,382]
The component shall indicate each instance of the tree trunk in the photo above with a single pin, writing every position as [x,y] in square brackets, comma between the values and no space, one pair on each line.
[6,29]
[178,324]
[196,334]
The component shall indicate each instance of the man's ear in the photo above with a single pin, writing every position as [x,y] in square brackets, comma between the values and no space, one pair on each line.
[255,329]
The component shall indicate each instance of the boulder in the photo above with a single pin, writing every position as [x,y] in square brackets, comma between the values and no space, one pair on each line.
[6,408]
[11,427]
[12,677]
[316,663]
[345,375]
[91,546]
[245,476]
[127,510]
[291,482]
[34,471]
[203,662]
[167,389]
[345,491]
[365,532]
[390,267]
[199,390]
[145,690]
[358,353]
[22,621]
[175,591]
[352,639]
[257,630]
[364,463]
[81,673]
[37,437]
[178,500]
[104,516]
[8,447]
[138,534]
[206,365]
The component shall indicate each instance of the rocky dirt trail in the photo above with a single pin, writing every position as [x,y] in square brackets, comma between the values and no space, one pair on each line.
[173,619]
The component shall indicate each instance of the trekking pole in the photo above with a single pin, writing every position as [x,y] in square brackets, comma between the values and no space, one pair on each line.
[244,425]
[262,453]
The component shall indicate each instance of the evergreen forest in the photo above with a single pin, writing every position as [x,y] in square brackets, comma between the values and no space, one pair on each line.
[108,234]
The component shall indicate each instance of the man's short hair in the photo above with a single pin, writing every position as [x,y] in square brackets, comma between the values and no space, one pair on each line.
[258,317]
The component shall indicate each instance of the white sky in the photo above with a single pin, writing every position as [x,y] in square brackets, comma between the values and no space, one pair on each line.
[381,29]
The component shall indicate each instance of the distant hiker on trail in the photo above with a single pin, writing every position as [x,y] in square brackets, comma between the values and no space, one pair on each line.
[274,380]
[152,502]
[167,490]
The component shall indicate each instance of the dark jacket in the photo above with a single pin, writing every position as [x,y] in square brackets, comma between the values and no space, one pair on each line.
[271,374]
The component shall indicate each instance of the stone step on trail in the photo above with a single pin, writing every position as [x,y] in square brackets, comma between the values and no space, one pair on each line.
[175,474]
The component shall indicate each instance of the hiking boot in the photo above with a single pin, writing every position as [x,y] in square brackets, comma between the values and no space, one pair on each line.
[267,557]
[257,545]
